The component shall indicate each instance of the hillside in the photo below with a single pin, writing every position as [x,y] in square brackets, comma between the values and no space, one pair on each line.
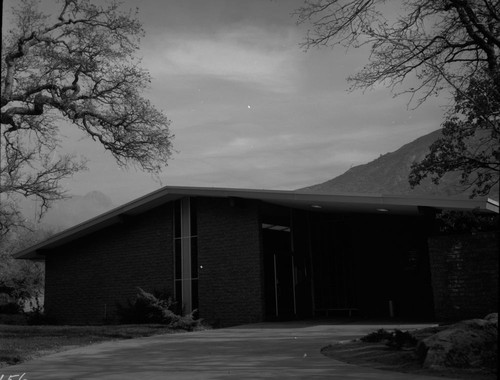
[388,174]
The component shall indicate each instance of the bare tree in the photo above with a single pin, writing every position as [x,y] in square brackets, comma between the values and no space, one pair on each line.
[79,68]
[441,43]
[422,47]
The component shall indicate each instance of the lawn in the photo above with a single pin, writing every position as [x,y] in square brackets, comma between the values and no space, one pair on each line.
[20,343]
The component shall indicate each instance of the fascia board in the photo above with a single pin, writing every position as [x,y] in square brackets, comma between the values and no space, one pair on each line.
[170,193]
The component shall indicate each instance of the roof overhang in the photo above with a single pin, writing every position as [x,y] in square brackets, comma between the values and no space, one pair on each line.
[335,203]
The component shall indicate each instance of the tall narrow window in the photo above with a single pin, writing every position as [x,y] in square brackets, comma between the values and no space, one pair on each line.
[186,254]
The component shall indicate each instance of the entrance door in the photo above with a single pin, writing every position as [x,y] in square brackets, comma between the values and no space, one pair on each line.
[287,263]
[285,285]
[279,272]
[333,266]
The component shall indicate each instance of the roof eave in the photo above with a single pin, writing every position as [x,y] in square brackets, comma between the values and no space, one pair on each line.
[167,194]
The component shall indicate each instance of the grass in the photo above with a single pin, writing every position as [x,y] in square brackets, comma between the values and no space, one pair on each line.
[20,343]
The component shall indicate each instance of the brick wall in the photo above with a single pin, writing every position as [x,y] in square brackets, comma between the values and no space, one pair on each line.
[464,270]
[85,279]
[231,285]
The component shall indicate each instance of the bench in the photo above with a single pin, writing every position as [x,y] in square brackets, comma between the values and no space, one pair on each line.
[327,311]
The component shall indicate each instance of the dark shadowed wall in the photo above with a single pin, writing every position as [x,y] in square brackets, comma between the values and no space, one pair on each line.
[231,285]
[88,277]
[464,275]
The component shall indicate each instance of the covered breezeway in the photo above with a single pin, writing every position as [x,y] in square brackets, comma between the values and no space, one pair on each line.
[332,264]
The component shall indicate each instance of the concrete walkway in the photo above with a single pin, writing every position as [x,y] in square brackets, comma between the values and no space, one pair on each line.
[258,351]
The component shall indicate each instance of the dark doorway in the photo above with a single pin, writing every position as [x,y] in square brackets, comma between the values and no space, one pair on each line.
[287,266]
[278,261]
[372,266]
[285,285]
[333,267]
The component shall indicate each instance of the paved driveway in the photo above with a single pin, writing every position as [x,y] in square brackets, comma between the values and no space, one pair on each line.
[258,351]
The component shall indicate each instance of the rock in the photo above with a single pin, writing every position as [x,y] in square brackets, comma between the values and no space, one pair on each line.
[467,344]
[421,334]
[493,317]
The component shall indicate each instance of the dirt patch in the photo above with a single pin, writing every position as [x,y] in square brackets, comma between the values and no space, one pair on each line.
[378,355]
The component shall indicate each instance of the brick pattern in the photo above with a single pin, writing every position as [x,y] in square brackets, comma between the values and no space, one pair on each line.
[464,271]
[231,280]
[85,279]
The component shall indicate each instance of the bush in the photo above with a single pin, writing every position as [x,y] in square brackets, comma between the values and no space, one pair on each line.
[402,339]
[465,222]
[38,317]
[378,336]
[156,308]
[397,339]
[12,319]
[146,308]
[10,308]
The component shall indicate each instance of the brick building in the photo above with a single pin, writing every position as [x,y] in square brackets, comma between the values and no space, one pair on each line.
[242,256]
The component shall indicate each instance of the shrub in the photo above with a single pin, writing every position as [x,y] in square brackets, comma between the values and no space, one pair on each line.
[378,336]
[397,339]
[402,339]
[36,315]
[147,308]
[465,222]
[156,308]
[10,308]
[12,319]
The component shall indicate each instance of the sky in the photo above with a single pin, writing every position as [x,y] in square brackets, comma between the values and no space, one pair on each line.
[250,108]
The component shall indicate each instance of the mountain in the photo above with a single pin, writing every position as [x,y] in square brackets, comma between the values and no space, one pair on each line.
[388,175]
[72,210]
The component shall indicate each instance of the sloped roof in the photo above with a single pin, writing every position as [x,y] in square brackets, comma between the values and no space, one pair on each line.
[357,203]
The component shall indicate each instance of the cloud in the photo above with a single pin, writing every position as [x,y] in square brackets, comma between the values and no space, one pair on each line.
[210,61]
[248,55]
